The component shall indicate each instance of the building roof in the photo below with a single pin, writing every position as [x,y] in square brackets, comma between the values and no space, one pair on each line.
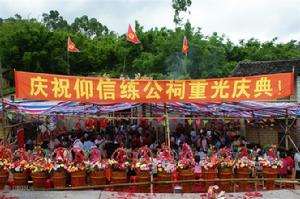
[266,67]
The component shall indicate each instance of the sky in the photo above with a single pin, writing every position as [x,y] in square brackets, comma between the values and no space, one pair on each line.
[237,19]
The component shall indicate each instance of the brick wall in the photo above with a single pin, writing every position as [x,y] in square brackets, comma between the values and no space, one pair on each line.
[262,136]
[267,136]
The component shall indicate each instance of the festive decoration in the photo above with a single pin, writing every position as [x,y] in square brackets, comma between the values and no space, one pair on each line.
[118,161]
[95,162]
[20,161]
[33,86]
[186,159]
[165,161]
[144,162]
[225,158]
[211,161]
[78,161]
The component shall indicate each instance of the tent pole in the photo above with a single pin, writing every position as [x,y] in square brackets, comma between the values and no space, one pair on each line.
[167,127]
[286,131]
[3,106]
[293,143]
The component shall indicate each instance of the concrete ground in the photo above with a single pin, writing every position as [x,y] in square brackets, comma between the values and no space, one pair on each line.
[18,194]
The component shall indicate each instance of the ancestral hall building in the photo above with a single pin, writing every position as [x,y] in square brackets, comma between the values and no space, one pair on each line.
[271,136]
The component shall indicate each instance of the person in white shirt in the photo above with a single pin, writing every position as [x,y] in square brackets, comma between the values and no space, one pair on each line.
[297,164]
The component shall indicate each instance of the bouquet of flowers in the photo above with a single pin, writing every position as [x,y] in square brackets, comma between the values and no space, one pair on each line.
[271,160]
[78,162]
[4,164]
[61,159]
[95,161]
[225,158]
[211,161]
[40,165]
[144,162]
[165,162]
[244,162]
[5,158]
[20,161]
[272,163]
[186,159]
[118,161]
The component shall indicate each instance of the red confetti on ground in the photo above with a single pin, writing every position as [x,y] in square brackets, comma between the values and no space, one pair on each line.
[253,194]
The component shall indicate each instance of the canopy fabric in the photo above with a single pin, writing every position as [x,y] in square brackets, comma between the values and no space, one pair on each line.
[247,109]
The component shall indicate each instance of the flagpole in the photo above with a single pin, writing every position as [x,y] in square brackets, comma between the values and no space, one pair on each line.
[68,62]
[68,59]
[124,61]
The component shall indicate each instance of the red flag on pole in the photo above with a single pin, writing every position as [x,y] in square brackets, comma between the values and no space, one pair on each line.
[71,46]
[185,47]
[131,36]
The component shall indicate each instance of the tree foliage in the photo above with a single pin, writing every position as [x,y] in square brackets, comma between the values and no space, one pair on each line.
[180,6]
[40,46]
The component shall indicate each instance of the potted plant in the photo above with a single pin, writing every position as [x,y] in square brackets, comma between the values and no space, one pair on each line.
[225,168]
[143,167]
[4,170]
[185,166]
[5,161]
[243,167]
[96,167]
[60,162]
[39,171]
[119,165]
[77,167]
[166,166]
[270,164]
[19,167]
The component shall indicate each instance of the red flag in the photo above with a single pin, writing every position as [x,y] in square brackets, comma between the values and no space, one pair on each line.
[185,47]
[131,36]
[71,46]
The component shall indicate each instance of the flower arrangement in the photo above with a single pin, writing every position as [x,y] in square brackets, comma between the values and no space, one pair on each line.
[4,164]
[95,161]
[244,162]
[165,162]
[211,161]
[225,158]
[40,165]
[118,161]
[271,163]
[61,159]
[186,159]
[145,160]
[5,158]
[78,162]
[20,161]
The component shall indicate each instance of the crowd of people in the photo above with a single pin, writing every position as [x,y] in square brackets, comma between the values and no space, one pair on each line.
[131,137]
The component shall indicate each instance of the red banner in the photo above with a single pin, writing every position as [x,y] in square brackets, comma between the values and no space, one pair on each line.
[90,89]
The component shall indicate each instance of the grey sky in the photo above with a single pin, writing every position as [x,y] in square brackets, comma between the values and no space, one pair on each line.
[237,19]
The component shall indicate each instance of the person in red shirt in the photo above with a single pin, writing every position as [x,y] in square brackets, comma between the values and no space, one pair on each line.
[290,162]
[283,171]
